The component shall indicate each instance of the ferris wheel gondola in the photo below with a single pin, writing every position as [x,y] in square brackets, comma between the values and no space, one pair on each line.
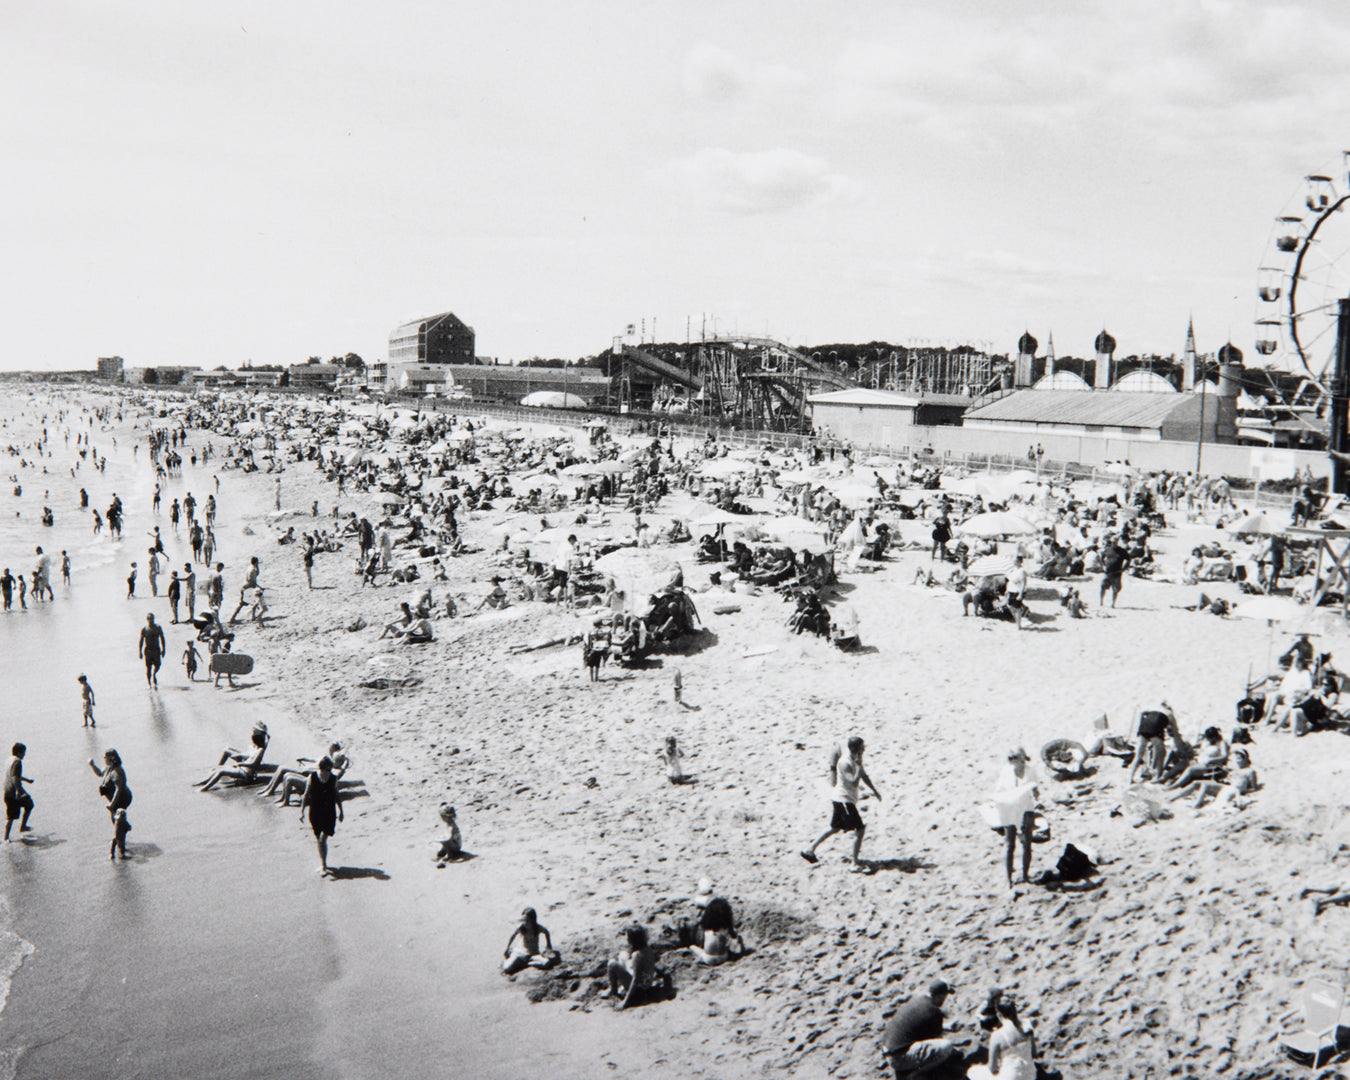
[1304,276]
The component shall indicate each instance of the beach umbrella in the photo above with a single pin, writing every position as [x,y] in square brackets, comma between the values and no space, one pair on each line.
[996,523]
[639,572]
[553,399]
[1119,468]
[717,516]
[879,462]
[1255,525]
[992,564]
[1271,608]
[595,468]
[722,468]
[797,534]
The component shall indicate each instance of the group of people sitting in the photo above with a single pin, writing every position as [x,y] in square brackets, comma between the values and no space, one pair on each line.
[710,936]
[1211,768]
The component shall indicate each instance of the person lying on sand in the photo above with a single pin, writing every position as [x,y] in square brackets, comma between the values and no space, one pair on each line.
[1225,792]
[294,780]
[535,949]
[1336,895]
[634,969]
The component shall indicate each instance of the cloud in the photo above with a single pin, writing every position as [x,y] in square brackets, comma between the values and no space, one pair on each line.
[1190,70]
[717,76]
[758,182]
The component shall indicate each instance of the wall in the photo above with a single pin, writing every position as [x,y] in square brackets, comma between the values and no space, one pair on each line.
[871,425]
[1228,459]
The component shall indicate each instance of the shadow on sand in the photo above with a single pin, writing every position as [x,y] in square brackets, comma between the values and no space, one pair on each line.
[353,873]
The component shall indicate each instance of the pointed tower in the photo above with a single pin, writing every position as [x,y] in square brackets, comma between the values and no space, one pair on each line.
[1050,356]
[1106,348]
[1188,358]
[1026,357]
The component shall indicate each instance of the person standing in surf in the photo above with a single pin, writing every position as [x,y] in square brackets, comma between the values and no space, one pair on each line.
[152,650]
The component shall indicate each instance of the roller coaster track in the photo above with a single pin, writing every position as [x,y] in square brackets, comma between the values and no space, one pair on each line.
[821,372]
[658,366]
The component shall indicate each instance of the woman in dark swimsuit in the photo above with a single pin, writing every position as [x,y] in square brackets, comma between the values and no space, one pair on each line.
[325,811]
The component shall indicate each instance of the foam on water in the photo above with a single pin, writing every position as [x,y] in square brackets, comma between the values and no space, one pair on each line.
[14,950]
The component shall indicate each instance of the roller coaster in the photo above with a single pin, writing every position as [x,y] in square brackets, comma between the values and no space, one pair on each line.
[764,384]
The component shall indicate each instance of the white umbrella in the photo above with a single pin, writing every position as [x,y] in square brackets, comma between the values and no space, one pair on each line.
[717,516]
[992,564]
[721,468]
[1271,608]
[1255,525]
[996,523]
[639,572]
[552,399]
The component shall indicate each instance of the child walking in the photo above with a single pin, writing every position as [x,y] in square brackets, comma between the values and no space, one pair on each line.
[87,693]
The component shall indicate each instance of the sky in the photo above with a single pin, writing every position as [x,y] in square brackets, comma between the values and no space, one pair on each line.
[213,183]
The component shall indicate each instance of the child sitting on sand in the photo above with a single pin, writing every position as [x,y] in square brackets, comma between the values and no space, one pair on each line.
[634,969]
[535,949]
[671,757]
[451,848]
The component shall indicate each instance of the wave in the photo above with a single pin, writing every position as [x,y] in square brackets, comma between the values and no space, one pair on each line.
[14,950]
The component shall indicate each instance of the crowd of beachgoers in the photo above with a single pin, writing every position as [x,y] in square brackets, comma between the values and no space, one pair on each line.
[490,606]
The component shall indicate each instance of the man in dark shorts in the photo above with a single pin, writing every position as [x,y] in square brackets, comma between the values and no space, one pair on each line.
[913,1041]
[1154,725]
[17,800]
[1113,567]
[152,649]
[846,771]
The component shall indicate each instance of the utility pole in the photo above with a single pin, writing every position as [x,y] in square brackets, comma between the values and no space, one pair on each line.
[1340,413]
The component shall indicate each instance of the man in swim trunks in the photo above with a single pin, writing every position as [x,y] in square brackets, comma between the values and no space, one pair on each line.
[17,800]
[846,771]
[152,649]
[1113,567]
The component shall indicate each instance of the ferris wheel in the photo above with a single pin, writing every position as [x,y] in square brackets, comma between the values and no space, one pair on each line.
[1304,275]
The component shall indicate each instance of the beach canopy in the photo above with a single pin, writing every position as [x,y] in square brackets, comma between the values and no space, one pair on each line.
[596,468]
[991,564]
[1271,608]
[1255,525]
[638,573]
[553,399]
[996,523]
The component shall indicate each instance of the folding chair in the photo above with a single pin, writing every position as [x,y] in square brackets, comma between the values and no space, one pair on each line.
[1322,1002]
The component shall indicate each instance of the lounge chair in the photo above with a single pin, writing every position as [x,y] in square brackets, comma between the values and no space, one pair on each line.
[1322,1002]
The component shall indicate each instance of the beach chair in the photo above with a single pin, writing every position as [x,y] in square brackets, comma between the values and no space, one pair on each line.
[1322,1002]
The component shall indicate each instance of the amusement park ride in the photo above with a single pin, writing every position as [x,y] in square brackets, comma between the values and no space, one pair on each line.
[1303,318]
[764,384]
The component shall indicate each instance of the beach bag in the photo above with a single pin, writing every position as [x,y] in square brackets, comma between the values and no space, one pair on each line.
[1250,710]
[1073,865]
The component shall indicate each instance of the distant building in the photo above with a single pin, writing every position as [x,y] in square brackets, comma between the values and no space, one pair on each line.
[1142,415]
[110,368]
[509,383]
[434,339]
[882,417]
[314,376]
[417,378]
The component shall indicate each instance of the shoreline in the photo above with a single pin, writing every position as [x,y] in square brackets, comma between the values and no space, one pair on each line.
[1186,910]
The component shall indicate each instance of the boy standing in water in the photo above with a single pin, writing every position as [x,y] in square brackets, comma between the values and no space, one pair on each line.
[87,693]
[17,800]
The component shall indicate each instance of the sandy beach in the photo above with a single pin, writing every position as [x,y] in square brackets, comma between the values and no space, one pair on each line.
[1186,951]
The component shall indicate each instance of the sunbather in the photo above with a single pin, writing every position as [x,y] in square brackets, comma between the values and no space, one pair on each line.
[243,767]
[294,780]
